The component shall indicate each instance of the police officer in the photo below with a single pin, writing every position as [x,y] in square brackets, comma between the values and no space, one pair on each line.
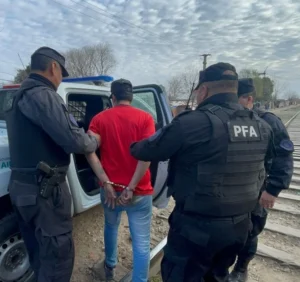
[42,135]
[216,157]
[280,172]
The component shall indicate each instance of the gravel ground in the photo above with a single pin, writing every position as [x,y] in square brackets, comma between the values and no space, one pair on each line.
[88,236]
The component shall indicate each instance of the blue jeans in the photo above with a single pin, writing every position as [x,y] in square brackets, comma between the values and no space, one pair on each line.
[139,217]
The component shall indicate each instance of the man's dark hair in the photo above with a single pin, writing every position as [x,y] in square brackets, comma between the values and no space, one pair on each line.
[40,62]
[122,90]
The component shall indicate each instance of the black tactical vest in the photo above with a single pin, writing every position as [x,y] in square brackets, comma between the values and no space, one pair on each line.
[28,143]
[227,180]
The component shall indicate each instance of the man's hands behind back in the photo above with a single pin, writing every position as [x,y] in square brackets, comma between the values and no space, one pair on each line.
[110,195]
[125,198]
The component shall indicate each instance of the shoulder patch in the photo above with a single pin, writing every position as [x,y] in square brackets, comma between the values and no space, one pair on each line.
[70,118]
[73,120]
[287,145]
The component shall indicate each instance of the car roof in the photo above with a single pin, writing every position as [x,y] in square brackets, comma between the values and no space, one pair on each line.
[67,87]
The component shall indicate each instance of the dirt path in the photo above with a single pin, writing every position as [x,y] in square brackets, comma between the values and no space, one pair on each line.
[88,237]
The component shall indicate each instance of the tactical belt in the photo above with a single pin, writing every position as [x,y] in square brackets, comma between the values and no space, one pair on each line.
[34,171]
[193,216]
[47,183]
[18,170]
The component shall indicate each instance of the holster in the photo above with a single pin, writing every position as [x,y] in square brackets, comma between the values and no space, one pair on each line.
[49,178]
[47,184]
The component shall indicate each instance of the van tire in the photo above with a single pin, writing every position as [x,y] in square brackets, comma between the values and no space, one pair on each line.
[14,261]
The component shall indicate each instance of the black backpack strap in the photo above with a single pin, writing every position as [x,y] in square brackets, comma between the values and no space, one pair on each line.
[210,108]
[222,113]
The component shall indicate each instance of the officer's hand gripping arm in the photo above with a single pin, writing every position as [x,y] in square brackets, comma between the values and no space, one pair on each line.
[47,110]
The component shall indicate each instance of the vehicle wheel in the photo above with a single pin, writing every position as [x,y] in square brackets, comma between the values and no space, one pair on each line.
[14,260]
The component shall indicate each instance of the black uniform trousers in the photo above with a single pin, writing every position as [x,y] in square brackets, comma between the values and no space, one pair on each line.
[258,219]
[46,227]
[199,249]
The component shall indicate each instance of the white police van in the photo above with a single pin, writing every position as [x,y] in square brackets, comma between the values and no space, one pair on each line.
[84,100]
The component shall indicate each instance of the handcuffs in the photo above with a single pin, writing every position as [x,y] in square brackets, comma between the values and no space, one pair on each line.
[126,188]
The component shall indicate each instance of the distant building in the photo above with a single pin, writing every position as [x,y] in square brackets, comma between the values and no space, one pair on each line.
[280,103]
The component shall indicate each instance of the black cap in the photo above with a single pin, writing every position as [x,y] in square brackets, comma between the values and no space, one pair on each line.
[216,73]
[51,53]
[246,86]
[117,87]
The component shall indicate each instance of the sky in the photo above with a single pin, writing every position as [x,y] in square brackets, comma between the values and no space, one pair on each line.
[154,40]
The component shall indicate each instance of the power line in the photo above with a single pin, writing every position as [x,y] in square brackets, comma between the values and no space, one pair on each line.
[6,73]
[5,79]
[97,19]
[114,16]
[21,61]
[6,62]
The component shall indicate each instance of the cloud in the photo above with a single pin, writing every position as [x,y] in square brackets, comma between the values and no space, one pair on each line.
[154,40]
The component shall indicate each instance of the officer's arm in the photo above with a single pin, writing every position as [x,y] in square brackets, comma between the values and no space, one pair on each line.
[281,169]
[160,146]
[48,111]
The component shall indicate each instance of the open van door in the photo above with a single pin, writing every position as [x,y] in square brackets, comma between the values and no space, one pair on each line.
[153,99]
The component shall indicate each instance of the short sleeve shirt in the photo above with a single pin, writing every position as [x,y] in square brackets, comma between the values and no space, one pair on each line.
[119,127]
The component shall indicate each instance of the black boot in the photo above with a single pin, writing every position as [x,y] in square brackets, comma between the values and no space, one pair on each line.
[240,272]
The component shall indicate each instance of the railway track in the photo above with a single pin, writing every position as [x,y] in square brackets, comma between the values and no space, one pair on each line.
[280,241]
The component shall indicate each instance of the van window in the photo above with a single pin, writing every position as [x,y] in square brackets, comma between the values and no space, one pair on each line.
[84,107]
[146,102]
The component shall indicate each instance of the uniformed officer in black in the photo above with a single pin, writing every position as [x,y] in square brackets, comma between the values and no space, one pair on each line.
[280,172]
[40,129]
[216,167]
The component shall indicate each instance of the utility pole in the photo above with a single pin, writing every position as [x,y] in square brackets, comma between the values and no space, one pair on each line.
[264,79]
[263,82]
[205,60]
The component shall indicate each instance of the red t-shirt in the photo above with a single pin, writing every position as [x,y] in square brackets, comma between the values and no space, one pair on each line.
[119,127]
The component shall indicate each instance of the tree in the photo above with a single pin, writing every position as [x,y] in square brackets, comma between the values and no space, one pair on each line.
[91,60]
[291,95]
[279,88]
[264,86]
[175,87]
[180,85]
[22,74]
[268,88]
